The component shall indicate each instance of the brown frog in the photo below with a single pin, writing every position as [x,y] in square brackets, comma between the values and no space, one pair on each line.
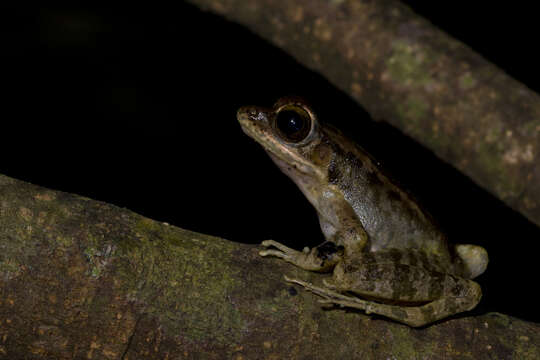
[380,244]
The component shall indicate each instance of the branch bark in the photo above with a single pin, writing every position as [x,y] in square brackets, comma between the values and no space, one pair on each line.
[402,69]
[83,279]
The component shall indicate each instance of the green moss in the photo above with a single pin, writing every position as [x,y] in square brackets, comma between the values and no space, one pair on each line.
[5,180]
[98,259]
[525,349]
[162,268]
[64,241]
[407,64]
[95,272]
[499,320]
[494,133]
[167,270]
[414,109]
[466,81]
[91,254]
[531,126]
[495,170]
[9,268]
[403,346]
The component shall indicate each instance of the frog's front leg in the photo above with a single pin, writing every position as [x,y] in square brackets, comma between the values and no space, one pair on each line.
[321,258]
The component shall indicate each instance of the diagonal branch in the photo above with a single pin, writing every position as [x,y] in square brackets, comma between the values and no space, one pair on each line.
[402,69]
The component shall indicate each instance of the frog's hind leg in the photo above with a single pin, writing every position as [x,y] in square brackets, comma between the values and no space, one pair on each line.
[321,258]
[414,316]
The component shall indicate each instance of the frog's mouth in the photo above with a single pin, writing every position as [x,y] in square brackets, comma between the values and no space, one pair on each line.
[256,123]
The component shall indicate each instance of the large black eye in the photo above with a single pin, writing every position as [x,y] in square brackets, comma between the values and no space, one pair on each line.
[293,123]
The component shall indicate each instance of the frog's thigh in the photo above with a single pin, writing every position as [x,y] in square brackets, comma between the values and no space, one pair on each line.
[416,315]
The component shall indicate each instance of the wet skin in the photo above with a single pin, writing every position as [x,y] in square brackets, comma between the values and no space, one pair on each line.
[380,244]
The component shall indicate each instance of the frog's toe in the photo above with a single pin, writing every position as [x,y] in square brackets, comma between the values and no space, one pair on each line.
[351,302]
[297,281]
[328,303]
[277,253]
[267,243]
[277,245]
[329,284]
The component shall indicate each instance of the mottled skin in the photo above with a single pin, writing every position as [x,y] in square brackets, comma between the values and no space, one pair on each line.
[380,244]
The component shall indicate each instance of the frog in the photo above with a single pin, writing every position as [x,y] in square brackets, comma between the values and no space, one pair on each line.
[386,253]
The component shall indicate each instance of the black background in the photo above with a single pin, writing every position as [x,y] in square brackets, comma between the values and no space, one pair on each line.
[135,105]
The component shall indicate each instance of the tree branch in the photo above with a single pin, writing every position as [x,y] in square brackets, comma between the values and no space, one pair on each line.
[83,279]
[402,69]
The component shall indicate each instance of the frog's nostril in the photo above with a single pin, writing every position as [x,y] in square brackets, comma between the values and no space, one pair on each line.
[254,114]
[247,111]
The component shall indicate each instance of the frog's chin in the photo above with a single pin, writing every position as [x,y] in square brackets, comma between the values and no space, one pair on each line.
[249,129]
[277,160]
[290,168]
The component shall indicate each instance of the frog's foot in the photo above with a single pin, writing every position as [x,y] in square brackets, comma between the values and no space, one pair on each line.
[306,259]
[329,285]
[330,295]
[282,251]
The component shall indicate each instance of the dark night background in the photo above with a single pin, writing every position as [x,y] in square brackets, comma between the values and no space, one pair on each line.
[135,105]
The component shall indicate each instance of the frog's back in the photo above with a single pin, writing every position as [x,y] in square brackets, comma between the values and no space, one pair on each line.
[390,215]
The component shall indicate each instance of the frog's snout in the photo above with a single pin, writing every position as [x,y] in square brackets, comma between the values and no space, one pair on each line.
[245,111]
[246,114]
[252,114]
[255,121]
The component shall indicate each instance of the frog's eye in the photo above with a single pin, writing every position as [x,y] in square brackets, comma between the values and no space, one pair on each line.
[293,123]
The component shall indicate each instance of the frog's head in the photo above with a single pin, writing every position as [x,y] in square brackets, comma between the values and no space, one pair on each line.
[290,134]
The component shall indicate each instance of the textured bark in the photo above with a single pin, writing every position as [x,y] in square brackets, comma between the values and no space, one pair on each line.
[405,71]
[83,279]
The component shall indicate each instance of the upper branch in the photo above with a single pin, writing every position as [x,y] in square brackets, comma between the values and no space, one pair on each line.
[404,70]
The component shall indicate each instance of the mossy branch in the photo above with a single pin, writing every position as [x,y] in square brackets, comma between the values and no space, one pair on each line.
[407,72]
[83,279]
